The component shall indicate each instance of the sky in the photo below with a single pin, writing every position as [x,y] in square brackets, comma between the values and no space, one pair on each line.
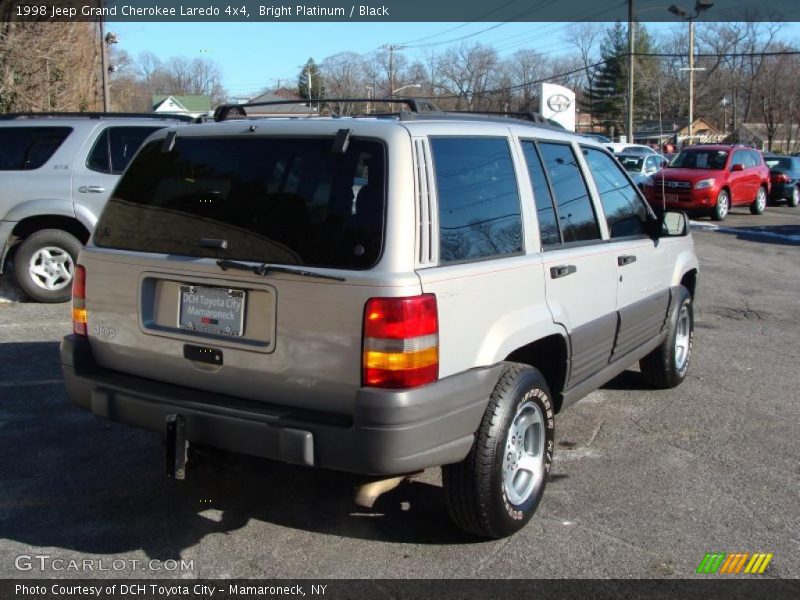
[254,55]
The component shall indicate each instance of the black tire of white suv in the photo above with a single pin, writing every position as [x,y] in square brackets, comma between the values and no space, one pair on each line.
[45,264]
[666,366]
[496,489]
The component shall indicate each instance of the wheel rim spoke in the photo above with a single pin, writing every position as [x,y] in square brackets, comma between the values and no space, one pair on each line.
[523,462]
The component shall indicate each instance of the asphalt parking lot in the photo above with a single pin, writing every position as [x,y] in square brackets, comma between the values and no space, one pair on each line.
[644,484]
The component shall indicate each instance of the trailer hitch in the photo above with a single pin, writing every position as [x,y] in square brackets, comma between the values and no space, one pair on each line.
[177,447]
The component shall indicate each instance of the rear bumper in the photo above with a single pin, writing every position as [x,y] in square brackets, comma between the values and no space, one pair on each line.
[782,191]
[390,432]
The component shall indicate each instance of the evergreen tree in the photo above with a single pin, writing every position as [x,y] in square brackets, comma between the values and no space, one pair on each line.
[310,70]
[606,99]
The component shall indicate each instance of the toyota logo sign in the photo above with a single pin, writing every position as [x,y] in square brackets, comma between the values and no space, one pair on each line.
[559,102]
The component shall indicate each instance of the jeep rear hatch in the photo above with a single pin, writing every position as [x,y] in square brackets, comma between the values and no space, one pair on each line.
[168,292]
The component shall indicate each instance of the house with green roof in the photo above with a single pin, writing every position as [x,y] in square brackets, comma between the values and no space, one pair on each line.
[194,106]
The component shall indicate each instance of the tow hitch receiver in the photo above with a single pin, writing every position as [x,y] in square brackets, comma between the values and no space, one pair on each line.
[177,447]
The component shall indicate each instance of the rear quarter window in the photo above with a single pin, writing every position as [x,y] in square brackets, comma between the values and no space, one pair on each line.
[27,148]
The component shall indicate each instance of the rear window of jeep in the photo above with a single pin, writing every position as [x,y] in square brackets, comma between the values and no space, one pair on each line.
[277,200]
[26,148]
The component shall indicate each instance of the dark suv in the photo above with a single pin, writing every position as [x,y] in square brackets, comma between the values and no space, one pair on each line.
[711,179]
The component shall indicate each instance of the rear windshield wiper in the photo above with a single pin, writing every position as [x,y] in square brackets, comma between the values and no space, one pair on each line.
[265,269]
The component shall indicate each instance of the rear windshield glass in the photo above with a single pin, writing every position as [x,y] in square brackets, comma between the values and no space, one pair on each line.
[275,200]
[773,162]
[631,163]
[26,148]
[700,159]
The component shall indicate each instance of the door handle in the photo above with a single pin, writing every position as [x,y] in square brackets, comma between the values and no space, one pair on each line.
[91,189]
[562,271]
[625,260]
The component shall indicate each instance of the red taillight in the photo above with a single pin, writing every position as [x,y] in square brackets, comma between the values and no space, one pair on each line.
[780,178]
[79,301]
[401,342]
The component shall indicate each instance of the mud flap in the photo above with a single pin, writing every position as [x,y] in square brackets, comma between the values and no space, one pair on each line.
[177,447]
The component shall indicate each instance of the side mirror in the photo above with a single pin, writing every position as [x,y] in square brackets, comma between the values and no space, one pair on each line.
[674,223]
[737,167]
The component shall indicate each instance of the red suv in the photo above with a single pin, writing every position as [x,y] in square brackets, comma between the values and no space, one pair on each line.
[711,179]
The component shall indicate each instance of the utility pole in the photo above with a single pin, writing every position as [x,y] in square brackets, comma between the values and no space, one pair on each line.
[691,79]
[631,41]
[699,7]
[391,48]
[104,67]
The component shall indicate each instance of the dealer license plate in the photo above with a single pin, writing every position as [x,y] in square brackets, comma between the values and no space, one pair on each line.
[218,311]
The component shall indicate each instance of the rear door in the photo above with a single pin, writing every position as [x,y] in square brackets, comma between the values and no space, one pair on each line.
[738,180]
[642,264]
[103,159]
[580,273]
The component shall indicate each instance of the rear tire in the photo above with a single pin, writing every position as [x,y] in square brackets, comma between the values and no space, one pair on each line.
[721,208]
[760,203]
[496,489]
[45,264]
[794,199]
[666,366]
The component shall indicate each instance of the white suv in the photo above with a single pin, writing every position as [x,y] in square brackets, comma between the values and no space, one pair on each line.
[377,294]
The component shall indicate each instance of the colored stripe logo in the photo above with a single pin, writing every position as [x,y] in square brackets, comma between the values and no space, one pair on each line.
[734,563]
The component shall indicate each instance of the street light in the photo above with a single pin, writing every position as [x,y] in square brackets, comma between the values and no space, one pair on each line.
[411,85]
[699,7]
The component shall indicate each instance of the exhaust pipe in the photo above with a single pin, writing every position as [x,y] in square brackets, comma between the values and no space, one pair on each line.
[368,494]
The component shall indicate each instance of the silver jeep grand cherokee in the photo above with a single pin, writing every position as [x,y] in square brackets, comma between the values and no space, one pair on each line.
[378,294]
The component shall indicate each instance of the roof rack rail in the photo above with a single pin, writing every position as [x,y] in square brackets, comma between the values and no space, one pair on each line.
[228,112]
[97,115]
[533,117]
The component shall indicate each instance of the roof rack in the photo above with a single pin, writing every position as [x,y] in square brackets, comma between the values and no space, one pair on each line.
[419,109]
[97,115]
[228,112]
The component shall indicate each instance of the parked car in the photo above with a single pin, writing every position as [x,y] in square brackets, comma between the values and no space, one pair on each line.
[710,179]
[239,294]
[622,148]
[56,173]
[641,166]
[784,174]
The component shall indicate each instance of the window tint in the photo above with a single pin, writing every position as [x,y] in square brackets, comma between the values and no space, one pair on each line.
[26,148]
[479,209]
[625,212]
[277,200]
[700,159]
[755,158]
[739,158]
[573,205]
[98,158]
[116,146]
[545,213]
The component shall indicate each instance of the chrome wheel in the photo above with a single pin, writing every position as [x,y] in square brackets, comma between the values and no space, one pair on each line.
[795,196]
[523,463]
[761,200]
[682,339]
[51,268]
[722,205]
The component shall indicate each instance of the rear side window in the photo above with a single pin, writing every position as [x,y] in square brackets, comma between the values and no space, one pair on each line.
[479,208]
[26,148]
[573,204]
[545,211]
[116,146]
[276,200]
[625,211]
